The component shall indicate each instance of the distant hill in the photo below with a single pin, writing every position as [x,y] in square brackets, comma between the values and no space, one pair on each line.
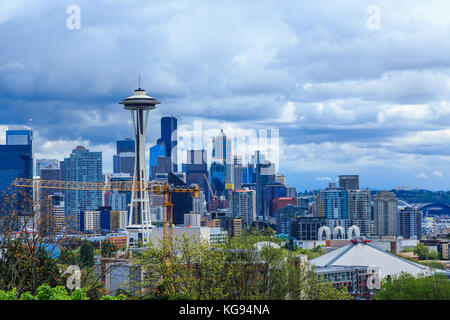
[423,196]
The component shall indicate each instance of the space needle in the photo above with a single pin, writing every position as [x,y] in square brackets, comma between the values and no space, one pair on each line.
[139,221]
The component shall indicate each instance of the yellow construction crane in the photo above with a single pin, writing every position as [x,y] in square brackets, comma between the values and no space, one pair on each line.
[155,187]
[213,194]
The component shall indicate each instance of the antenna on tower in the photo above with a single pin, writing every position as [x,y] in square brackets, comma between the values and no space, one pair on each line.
[139,81]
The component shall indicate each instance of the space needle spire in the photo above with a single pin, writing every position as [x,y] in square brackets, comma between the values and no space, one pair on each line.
[139,224]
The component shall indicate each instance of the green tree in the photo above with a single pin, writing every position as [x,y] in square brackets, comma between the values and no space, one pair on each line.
[27,259]
[422,251]
[196,270]
[108,249]
[45,292]
[86,254]
[408,287]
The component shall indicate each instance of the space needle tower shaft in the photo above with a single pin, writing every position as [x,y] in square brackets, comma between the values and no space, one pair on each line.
[139,105]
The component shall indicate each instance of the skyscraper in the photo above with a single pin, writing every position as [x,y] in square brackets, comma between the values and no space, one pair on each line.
[349,182]
[264,174]
[123,160]
[409,223]
[221,154]
[182,201]
[45,164]
[332,203]
[50,174]
[84,166]
[244,206]
[237,172]
[197,170]
[19,135]
[359,210]
[272,191]
[169,138]
[385,213]
[16,157]
[218,178]
[158,150]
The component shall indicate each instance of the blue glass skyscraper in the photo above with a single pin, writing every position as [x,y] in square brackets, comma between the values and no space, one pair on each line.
[123,160]
[19,136]
[83,166]
[332,203]
[169,138]
[16,157]
[158,150]
[272,191]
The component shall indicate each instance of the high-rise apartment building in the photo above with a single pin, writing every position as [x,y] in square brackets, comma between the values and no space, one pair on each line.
[50,174]
[409,223]
[385,213]
[83,166]
[238,171]
[332,203]
[244,206]
[359,210]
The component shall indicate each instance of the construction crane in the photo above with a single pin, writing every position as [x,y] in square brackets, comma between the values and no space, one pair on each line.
[213,194]
[162,188]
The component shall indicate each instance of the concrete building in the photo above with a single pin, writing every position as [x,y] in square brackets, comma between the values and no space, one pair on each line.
[359,210]
[192,220]
[212,235]
[119,219]
[385,213]
[244,206]
[409,223]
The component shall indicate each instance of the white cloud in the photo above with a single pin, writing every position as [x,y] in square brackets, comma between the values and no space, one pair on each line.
[438,174]
[422,176]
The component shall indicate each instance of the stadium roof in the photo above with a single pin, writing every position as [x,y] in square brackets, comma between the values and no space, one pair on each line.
[364,254]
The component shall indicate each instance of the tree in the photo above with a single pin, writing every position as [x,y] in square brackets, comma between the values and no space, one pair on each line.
[108,249]
[29,253]
[408,287]
[422,251]
[234,270]
[46,292]
[196,270]
[86,254]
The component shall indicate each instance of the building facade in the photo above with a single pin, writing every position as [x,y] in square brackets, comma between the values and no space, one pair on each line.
[385,213]
[244,206]
[82,166]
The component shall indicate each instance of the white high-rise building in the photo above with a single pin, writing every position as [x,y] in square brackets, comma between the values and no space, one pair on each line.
[244,205]
[385,213]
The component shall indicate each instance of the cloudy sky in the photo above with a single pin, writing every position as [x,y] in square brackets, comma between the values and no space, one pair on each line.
[348,92]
